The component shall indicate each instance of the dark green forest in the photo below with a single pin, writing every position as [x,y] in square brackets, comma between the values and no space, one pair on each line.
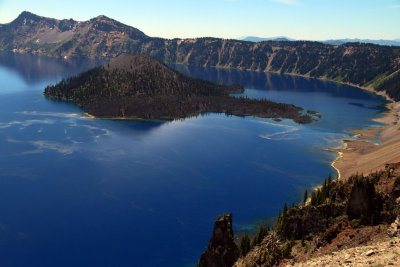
[391,85]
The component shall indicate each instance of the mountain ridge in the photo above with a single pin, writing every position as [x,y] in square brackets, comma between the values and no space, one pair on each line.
[394,42]
[262,39]
[359,64]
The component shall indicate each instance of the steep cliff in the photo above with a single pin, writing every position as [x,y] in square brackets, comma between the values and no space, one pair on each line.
[341,215]
[222,250]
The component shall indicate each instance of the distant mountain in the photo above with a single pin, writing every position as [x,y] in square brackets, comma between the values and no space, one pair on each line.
[395,42]
[256,39]
[334,42]
[261,39]
[141,87]
[104,38]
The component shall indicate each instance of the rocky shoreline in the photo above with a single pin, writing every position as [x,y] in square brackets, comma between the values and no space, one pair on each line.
[352,220]
[364,156]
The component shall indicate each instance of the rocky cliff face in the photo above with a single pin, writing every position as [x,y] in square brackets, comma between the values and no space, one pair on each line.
[342,215]
[268,253]
[222,250]
[102,37]
[360,201]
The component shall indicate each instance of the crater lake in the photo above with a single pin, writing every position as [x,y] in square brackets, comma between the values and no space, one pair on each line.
[78,191]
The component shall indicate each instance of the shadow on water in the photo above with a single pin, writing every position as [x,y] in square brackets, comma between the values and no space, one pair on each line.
[137,127]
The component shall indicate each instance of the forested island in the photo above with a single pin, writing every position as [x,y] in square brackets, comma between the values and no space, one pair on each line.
[138,86]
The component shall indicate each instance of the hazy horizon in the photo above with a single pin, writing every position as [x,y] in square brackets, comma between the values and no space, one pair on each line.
[298,19]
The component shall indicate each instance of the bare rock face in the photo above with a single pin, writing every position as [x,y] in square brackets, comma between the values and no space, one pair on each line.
[394,229]
[268,253]
[396,188]
[222,250]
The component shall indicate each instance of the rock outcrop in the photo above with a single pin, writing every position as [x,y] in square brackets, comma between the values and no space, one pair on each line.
[341,216]
[268,253]
[222,250]
[380,253]
[394,229]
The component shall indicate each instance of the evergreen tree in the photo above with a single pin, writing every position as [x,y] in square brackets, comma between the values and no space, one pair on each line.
[314,201]
[285,209]
[258,238]
[305,197]
[244,246]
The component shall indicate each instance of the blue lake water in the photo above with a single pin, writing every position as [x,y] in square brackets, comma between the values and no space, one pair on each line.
[76,191]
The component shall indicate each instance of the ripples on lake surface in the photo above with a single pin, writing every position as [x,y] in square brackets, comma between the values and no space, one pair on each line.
[76,191]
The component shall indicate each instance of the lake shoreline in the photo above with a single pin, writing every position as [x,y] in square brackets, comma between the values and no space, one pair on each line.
[354,156]
[365,157]
[359,156]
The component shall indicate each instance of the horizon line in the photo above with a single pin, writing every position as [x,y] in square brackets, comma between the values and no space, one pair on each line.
[397,39]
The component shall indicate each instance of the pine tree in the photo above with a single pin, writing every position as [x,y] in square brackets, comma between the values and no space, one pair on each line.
[258,238]
[244,246]
[285,209]
[305,197]
[314,201]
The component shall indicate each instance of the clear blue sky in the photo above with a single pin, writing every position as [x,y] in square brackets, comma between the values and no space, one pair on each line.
[300,19]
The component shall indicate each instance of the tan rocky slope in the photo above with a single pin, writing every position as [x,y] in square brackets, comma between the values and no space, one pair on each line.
[381,253]
[366,246]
